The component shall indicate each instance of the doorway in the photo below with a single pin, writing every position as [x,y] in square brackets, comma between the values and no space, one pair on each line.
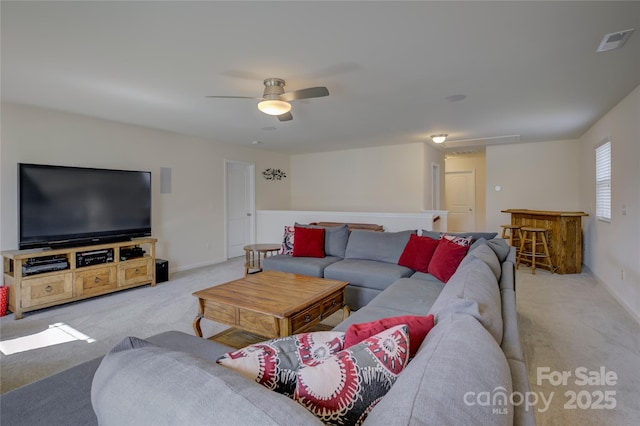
[240,206]
[460,196]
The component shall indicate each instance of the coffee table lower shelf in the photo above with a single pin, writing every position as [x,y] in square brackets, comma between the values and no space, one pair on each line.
[238,339]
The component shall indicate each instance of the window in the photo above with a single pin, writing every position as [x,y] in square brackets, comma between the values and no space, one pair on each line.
[603,181]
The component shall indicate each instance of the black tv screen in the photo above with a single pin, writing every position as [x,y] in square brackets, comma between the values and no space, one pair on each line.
[66,206]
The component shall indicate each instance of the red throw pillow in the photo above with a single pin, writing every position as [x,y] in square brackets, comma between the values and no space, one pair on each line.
[418,253]
[446,259]
[309,242]
[418,325]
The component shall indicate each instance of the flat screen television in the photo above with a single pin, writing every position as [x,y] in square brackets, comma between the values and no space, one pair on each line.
[71,206]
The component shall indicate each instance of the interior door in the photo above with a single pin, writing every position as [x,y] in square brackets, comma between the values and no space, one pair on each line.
[240,207]
[460,196]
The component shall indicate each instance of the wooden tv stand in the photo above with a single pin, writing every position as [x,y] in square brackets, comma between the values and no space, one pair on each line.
[43,289]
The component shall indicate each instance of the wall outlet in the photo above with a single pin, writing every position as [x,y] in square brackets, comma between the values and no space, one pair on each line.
[622,274]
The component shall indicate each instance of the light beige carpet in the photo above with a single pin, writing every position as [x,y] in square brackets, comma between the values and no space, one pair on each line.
[140,312]
[569,323]
[566,322]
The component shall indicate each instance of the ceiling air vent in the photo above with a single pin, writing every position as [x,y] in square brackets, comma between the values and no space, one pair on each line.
[614,40]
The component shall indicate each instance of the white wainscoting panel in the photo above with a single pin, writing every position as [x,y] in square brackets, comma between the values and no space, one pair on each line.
[270,223]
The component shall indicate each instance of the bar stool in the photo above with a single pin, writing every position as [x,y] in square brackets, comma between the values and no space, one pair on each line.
[513,234]
[530,236]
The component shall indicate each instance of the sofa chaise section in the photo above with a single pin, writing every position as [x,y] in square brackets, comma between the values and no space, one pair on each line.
[370,264]
[310,266]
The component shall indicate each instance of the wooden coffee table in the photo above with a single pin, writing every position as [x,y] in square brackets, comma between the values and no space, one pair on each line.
[271,303]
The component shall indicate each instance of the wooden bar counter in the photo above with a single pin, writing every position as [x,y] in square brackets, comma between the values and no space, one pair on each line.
[565,235]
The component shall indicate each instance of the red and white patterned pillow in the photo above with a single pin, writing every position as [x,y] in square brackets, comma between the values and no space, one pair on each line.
[287,240]
[461,241]
[344,388]
[274,363]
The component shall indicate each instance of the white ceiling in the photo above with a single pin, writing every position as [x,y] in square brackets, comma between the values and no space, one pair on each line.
[526,68]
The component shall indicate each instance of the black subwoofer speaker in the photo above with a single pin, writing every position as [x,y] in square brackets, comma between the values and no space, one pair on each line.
[162,270]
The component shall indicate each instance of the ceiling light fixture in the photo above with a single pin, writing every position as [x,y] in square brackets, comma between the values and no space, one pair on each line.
[439,138]
[274,107]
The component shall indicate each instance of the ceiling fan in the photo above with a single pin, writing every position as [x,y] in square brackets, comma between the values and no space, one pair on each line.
[275,101]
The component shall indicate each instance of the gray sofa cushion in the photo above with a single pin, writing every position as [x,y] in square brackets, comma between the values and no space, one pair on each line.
[457,356]
[484,253]
[335,238]
[357,297]
[176,388]
[425,276]
[473,289]
[310,266]
[409,294]
[499,246]
[179,341]
[381,246]
[366,273]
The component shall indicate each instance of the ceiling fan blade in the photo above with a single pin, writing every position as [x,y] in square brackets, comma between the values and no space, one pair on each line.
[233,97]
[285,117]
[311,92]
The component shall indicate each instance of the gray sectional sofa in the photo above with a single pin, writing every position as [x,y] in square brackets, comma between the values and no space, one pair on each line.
[473,351]
[367,260]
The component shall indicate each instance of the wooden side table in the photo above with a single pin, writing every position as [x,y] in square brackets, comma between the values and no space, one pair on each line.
[254,253]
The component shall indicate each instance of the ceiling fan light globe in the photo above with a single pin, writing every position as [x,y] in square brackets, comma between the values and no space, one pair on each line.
[274,107]
[438,138]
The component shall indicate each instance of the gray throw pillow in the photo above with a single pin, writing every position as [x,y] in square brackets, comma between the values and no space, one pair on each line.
[499,246]
[484,253]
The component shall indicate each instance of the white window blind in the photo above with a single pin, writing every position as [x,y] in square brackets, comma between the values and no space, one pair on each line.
[603,181]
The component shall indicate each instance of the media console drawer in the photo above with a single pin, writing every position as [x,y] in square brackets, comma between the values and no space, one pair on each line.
[135,272]
[96,281]
[44,290]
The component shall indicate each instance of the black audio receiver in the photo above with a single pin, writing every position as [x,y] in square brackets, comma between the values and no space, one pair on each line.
[94,257]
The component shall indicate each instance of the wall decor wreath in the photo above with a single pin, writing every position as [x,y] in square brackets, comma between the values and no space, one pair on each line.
[274,174]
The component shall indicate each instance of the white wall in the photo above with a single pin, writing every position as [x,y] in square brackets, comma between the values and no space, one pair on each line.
[394,178]
[537,176]
[473,161]
[189,222]
[615,246]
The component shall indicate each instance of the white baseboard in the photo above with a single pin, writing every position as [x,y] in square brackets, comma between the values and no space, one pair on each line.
[198,265]
[634,315]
